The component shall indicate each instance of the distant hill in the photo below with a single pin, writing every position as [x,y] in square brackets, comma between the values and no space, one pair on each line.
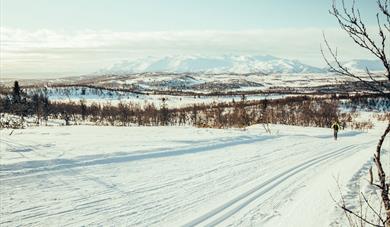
[360,65]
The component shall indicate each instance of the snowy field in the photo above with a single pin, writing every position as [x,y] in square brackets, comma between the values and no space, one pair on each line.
[91,95]
[180,176]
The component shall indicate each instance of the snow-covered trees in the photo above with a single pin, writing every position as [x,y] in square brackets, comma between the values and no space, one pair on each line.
[299,110]
[16,93]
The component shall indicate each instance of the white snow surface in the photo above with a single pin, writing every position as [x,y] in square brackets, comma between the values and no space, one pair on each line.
[180,176]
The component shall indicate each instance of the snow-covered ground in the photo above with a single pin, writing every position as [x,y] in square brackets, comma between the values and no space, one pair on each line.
[101,96]
[175,176]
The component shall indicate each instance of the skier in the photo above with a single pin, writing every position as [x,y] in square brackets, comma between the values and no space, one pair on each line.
[336,128]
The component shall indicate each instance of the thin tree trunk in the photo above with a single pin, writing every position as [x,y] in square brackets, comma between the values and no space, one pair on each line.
[371,176]
[382,175]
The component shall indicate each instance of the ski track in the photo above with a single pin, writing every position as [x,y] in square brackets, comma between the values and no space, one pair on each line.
[223,212]
[87,194]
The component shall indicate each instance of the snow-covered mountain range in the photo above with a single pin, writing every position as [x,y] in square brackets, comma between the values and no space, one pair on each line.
[265,64]
[223,64]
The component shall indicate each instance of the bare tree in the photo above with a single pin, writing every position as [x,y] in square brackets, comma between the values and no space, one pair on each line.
[351,22]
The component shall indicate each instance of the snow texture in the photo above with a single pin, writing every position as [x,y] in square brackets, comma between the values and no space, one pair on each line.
[180,176]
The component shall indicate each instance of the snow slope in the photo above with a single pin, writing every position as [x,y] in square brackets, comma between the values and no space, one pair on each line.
[178,176]
[219,64]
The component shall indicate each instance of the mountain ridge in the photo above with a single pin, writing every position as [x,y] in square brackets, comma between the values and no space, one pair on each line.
[240,64]
[265,64]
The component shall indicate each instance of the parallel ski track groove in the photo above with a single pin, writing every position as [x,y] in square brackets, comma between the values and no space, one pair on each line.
[223,212]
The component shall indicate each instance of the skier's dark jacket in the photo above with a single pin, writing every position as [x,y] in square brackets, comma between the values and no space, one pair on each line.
[336,126]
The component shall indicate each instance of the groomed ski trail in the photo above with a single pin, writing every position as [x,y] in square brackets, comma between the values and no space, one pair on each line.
[231,207]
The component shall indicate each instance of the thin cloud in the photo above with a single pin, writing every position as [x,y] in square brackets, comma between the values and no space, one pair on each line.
[45,53]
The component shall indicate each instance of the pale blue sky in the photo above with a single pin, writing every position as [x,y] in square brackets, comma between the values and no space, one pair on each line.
[54,38]
[151,15]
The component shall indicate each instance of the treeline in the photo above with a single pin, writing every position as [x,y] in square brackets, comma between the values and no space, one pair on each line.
[293,111]
[300,111]
[21,104]
[368,103]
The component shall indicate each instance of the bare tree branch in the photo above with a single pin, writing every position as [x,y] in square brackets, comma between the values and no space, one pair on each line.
[360,217]
[338,68]
[375,212]
[351,22]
